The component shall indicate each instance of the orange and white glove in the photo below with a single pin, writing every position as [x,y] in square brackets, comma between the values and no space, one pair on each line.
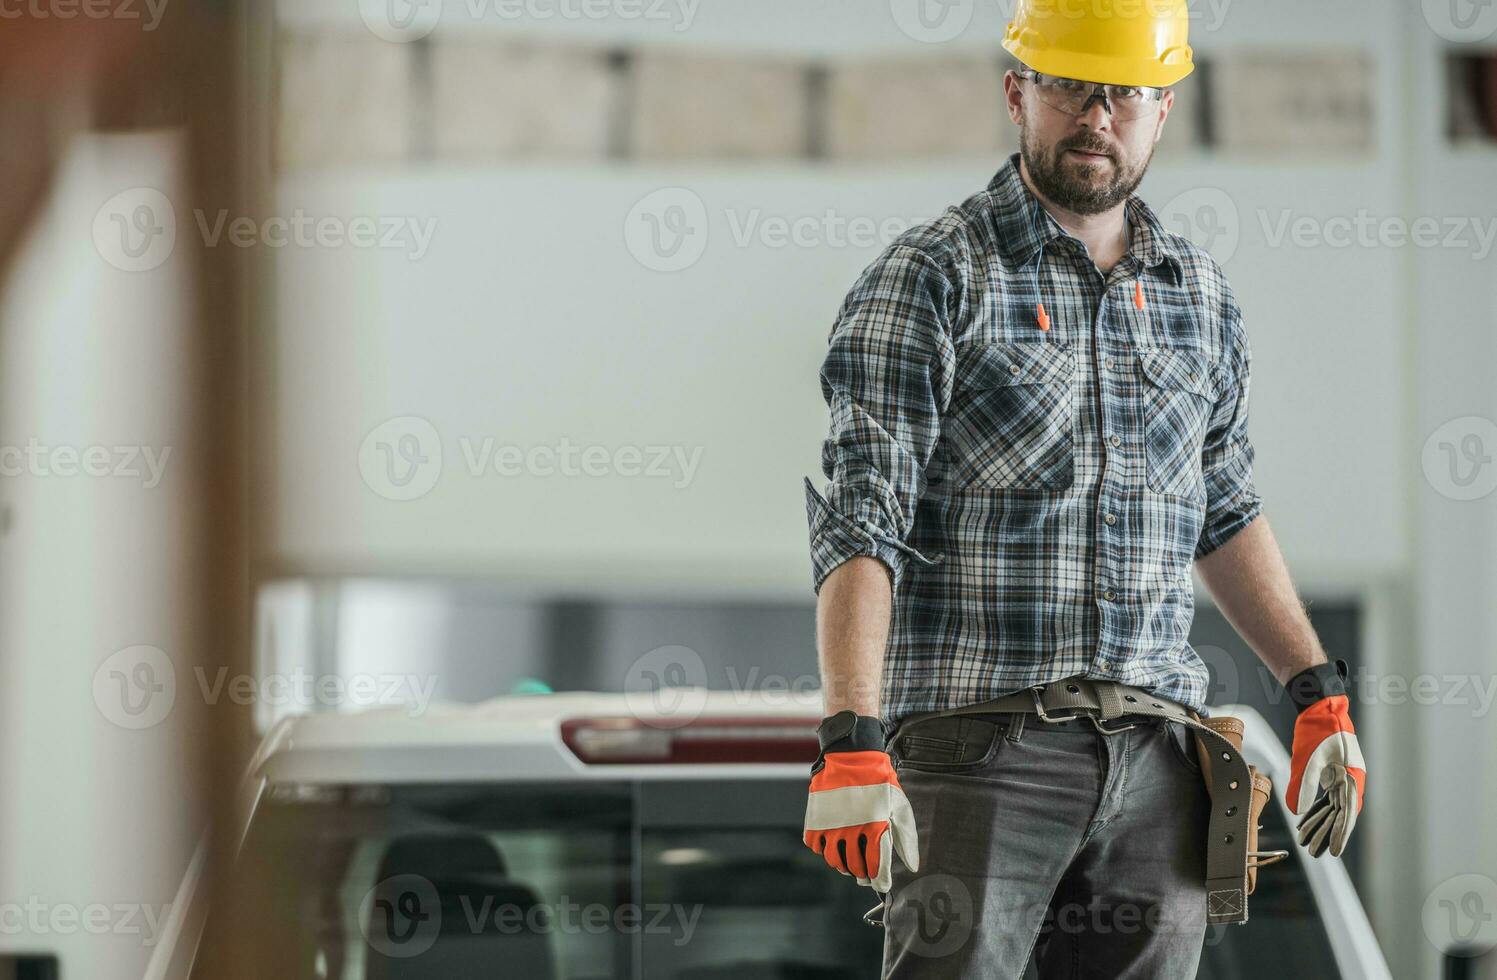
[1327,776]
[857,816]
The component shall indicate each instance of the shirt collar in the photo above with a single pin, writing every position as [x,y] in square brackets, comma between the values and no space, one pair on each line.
[1024,225]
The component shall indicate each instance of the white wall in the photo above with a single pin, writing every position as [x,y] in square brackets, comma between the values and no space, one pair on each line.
[96,821]
[1452,349]
[529,321]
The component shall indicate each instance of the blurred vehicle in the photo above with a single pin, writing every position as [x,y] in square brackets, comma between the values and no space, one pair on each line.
[585,836]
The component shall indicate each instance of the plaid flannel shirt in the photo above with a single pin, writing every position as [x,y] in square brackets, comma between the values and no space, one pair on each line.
[1038,496]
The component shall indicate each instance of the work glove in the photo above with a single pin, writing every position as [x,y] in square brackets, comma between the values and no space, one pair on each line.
[857,816]
[1326,775]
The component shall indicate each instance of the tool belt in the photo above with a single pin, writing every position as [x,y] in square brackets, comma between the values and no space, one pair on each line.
[1238,790]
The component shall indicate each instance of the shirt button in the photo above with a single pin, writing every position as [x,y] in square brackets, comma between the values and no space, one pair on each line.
[1109,595]
[1110,363]
[1116,440]
[1110,518]
[1013,369]
[1105,668]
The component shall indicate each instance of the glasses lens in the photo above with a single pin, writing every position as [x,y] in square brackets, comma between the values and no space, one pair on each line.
[1065,94]
[1129,101]
[1071,96]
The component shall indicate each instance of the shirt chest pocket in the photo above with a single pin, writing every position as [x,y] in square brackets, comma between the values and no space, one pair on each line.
[1010,421]
[1179,394]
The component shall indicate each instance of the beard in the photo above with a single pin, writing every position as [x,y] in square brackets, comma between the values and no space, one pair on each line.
[1075,186]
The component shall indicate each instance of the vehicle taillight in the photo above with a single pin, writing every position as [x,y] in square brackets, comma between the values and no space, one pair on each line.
[621,741]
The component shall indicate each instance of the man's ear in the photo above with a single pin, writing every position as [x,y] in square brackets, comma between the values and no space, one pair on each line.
[1013,96]
[1165,105]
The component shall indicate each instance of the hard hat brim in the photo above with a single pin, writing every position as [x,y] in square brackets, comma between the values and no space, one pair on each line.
[1162,73]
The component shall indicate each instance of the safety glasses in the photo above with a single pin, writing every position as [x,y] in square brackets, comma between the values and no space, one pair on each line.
[1073,96]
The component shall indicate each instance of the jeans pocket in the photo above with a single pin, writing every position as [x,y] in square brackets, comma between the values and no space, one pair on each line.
[947,745]
[1183,743]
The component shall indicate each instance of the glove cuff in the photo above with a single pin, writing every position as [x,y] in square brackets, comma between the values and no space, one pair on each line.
[1317,683]
[847,731]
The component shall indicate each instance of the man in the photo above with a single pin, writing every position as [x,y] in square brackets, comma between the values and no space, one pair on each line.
[1038,422]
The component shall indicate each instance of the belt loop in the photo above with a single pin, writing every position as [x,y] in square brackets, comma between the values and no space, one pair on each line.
[1110,698]
[1015,726]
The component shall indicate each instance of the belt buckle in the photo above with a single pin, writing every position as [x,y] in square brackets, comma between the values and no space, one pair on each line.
[1262,859]
[1112,731]
[1039,708]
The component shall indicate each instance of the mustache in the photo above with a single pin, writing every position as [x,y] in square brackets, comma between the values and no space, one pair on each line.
[1086,146]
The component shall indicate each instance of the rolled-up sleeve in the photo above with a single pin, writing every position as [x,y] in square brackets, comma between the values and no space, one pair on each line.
[887,381]
[1232,499]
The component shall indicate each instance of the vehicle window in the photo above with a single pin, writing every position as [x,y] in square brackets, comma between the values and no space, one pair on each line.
[761,905]
[399,883]
[689,880]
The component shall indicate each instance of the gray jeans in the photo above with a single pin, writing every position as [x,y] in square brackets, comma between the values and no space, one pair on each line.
[1052,842]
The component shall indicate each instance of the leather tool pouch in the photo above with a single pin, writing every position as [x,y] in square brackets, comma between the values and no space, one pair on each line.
[1231,729]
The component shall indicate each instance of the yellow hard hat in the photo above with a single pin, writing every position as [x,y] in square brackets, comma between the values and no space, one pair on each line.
[1116,42]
